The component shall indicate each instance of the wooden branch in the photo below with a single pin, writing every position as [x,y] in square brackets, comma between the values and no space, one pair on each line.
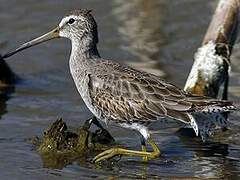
[212,60]
[223,27]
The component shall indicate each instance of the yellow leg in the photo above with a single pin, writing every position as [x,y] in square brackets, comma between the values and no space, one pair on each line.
[120,151]
[144,149]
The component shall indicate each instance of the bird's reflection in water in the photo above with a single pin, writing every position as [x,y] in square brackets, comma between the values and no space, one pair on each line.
[204,149]
[213,158]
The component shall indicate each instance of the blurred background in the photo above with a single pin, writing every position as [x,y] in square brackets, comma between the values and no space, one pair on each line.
[158,36]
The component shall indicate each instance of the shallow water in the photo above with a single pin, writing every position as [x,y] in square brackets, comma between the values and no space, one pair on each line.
[154,35]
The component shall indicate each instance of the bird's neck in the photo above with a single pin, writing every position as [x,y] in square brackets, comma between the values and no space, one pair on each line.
[83,51]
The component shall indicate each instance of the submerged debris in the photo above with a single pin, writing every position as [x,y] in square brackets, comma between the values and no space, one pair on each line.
[59,147]
[7,84]
[7,77]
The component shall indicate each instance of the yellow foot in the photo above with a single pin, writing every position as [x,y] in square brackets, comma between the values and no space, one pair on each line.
[120,151]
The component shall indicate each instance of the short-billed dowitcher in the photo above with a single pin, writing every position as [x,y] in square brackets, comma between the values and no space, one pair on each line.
[116,93]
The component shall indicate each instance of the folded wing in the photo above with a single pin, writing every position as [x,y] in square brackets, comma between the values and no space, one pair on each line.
[129,95]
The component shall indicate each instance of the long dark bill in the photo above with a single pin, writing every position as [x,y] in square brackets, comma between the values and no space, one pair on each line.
[48,36]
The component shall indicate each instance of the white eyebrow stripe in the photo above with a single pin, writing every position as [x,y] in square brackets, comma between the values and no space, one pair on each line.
[66,19]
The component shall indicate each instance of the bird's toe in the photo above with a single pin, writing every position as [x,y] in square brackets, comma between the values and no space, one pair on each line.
[110,153]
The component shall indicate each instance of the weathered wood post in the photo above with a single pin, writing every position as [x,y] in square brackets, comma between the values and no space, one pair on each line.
[212,61]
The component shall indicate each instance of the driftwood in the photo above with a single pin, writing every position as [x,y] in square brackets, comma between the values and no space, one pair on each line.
[212,60]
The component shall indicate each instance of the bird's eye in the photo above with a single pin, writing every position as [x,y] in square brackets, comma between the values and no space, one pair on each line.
[71,21]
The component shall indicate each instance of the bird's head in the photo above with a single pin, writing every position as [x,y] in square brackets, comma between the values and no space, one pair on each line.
[79,26]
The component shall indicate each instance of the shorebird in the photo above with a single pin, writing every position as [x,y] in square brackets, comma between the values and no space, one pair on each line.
[117,93]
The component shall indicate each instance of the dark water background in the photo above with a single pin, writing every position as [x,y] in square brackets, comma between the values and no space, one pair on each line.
[159,36]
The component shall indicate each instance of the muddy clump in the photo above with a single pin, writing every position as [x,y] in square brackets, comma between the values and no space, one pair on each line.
[59,146]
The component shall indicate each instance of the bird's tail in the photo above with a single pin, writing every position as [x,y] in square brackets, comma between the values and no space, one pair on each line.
[210,114]
[216,106]
[210,122]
